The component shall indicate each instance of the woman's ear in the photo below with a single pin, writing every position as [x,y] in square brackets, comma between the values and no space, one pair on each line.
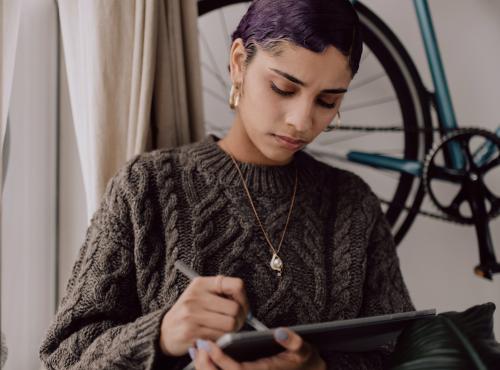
[237,59]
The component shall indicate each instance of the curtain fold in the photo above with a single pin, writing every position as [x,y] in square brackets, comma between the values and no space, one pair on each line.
[134,81]
[178,61]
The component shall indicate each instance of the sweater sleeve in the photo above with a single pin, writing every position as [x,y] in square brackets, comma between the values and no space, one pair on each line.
[99,324]
[384,292]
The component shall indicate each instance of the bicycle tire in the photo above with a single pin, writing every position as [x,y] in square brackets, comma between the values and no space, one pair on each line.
[413,100]
[415,105]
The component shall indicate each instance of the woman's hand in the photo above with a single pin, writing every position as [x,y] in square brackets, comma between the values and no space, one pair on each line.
[298,355]
[204,311]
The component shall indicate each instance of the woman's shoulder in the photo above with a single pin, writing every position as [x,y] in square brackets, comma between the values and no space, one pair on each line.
[150,169]
[348,188]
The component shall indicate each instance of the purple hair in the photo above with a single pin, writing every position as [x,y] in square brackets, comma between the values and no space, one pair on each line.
[312,24]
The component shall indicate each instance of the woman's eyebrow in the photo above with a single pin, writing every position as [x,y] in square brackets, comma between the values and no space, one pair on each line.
[295,80]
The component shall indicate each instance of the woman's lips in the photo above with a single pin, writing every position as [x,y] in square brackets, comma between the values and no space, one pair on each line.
[289,143]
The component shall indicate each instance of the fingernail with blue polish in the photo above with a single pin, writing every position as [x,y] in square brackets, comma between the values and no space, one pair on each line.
[281,334]
[192,352]
[203,344]
[249,316]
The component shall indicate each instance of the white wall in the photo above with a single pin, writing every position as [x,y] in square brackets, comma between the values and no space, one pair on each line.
[29,197]
[437,258]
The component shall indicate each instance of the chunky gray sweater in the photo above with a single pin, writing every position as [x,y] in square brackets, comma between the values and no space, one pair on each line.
[188,203]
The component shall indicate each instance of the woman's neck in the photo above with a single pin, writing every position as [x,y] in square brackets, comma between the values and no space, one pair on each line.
[240,146]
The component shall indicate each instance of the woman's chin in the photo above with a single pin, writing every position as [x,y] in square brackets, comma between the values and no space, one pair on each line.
[278,156]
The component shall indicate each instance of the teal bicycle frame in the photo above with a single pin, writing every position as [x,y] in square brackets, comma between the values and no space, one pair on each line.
[444,105]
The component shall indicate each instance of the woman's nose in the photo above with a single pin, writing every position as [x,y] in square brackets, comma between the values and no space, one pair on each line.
[301,116]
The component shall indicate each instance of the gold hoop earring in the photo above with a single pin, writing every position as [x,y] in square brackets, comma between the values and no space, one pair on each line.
[234,97]
[334,127]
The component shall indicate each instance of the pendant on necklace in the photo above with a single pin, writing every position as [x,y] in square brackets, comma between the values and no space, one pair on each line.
[276,264]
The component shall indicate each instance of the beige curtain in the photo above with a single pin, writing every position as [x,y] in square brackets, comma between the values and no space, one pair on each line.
[134,80]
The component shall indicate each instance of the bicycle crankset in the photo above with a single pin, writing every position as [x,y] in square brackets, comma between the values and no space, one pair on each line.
[475,202]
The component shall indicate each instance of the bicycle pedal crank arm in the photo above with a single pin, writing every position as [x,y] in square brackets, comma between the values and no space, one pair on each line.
[488,265]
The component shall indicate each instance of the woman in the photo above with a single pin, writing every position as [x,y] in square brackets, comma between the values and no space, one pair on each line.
[272,230]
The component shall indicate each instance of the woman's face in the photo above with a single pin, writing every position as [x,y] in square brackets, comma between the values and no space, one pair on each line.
[288,99]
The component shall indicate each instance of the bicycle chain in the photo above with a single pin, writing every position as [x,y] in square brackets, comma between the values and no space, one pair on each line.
[436,216]
[448,131]
[392,129]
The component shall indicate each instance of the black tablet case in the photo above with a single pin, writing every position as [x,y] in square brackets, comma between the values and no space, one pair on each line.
[354,335]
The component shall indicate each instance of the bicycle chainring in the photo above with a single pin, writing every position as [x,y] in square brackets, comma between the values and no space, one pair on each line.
[472,172]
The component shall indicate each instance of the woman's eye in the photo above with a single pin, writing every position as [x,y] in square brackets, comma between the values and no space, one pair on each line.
[325,104]
[281,92]
[320,102]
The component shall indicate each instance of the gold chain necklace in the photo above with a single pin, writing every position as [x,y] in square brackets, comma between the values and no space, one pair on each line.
[276,262]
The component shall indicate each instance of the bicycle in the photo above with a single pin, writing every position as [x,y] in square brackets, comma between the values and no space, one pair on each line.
[402,148]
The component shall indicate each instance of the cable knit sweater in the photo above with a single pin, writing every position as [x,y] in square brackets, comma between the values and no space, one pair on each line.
[188,203]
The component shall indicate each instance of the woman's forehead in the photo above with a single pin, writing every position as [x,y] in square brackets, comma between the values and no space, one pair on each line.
[307,66]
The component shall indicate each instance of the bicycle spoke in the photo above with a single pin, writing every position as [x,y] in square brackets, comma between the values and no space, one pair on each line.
[370,103]
[214,74]
[391,152]
[226,31]
[212,59]
[364,57]
[366,81]
[446,174]
[336,140]
[215,126]
[336,156]
[215,95]
[387,173]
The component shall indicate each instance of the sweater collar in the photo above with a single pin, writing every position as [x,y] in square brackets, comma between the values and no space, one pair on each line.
[212,160]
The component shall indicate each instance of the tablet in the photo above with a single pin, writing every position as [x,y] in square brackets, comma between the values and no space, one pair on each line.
[353,335]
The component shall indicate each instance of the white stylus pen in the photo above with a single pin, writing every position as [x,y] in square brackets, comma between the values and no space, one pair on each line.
[191,274]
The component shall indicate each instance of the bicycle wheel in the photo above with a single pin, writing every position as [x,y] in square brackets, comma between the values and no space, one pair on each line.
[383,112]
